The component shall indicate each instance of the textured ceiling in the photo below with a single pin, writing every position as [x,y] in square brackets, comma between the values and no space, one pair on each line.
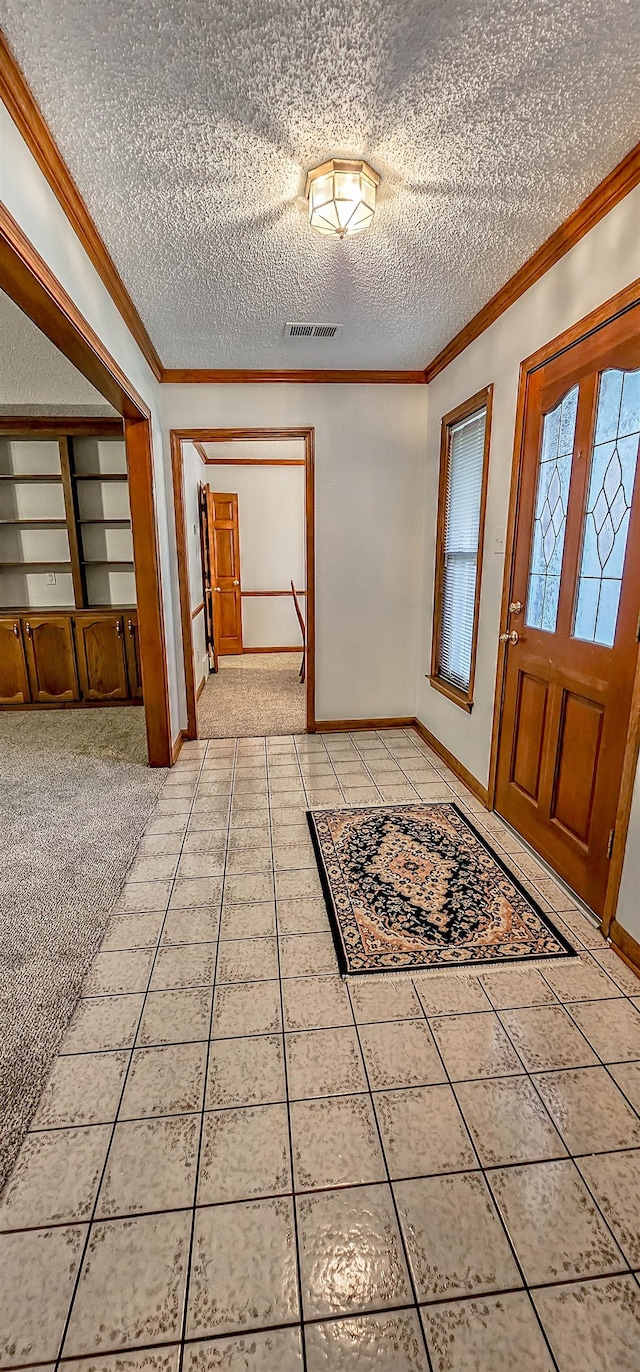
[189,128]
[35,375]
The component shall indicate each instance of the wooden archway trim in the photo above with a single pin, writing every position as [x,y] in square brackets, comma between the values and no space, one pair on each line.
[27,279]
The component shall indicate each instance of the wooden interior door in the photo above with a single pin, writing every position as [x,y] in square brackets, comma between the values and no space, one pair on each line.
[572,635]
[101,657]
[14,682]
[207,584]
[51,659]
[224,546]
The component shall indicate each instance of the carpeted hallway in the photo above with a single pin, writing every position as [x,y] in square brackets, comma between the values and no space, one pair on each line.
[75,795]
[253,693]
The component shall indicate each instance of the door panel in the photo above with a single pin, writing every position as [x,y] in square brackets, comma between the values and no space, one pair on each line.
[134,672]
[578,757]
[14,683]
[101,657]
[529,734]
[51,659]
[575,595]
[224,544]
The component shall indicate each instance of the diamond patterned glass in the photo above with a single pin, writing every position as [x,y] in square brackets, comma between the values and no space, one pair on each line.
[606,522]
[550,519]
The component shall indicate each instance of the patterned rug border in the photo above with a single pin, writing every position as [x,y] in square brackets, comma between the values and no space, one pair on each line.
[455,969]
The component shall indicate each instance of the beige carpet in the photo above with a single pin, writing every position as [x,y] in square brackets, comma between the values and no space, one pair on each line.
[253,695]
[75,795]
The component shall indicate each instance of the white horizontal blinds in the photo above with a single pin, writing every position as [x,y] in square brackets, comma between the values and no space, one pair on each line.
[460,548]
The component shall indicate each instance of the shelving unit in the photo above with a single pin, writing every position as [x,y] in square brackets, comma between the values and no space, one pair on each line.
[67,575]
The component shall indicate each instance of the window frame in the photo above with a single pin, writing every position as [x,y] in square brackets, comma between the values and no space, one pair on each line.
[481,400]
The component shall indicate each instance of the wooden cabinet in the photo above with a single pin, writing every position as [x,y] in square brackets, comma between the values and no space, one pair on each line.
[51,659]
[14,683]
[82,658]
[133,658]
[102,664]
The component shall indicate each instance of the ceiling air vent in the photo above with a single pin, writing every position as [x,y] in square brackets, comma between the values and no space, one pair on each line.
[312,330]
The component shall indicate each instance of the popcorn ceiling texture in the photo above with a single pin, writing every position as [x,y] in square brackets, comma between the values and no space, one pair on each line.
[189,128]
[34,373]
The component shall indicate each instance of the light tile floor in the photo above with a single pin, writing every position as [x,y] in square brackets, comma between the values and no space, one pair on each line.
[241,1162]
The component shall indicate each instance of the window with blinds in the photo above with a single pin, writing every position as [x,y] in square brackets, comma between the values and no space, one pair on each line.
[463,479]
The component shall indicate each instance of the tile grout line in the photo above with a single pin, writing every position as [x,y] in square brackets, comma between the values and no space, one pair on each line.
[390,1185]
[91,1220]
[294,1209]
[196,1184]
[489,1190]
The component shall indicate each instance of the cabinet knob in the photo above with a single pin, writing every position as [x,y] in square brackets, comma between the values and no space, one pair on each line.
[130,626]
[27,628]
[119,628]
[16,629]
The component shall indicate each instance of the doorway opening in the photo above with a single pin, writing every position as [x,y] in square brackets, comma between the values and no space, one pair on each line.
[82,666]
[244,502]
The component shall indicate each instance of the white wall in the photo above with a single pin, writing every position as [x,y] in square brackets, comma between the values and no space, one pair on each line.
[606,260]
[33,205]
[271,520]
[33,372]
[370,449]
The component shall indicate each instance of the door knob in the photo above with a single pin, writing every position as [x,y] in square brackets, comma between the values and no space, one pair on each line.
[513,637]
[515,607]
[236,583]
[217,590]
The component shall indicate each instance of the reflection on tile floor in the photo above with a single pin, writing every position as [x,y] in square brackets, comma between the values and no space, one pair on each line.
[241,1162]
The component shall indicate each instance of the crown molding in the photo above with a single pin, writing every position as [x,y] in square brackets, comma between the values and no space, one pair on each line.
[28,119]
[185,376]
[623,179]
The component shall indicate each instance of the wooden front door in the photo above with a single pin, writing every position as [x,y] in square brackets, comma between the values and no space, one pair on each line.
[224,545]
[571,639]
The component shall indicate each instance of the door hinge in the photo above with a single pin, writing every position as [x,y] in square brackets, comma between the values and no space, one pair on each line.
[610,843]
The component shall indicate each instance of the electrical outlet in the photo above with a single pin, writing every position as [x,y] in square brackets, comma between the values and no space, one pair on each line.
[51,579]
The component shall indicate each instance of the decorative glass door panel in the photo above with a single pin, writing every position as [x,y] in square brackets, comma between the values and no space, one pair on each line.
[550,519]
[572,651]
[614,462]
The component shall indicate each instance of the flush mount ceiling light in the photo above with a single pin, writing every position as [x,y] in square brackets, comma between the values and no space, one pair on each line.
[342,197]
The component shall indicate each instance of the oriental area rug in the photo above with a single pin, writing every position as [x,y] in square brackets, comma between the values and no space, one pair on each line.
[414,887]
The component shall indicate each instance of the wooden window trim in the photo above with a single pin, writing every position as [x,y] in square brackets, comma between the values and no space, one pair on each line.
[481,399]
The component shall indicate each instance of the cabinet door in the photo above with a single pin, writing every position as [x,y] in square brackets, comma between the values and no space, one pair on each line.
[51,659]
[14,683]
[101,657]
[133,657]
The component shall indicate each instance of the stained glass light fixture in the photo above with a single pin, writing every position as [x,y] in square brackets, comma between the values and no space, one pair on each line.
[342,197]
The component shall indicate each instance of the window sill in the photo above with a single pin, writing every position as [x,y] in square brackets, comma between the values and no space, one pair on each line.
[452,693]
